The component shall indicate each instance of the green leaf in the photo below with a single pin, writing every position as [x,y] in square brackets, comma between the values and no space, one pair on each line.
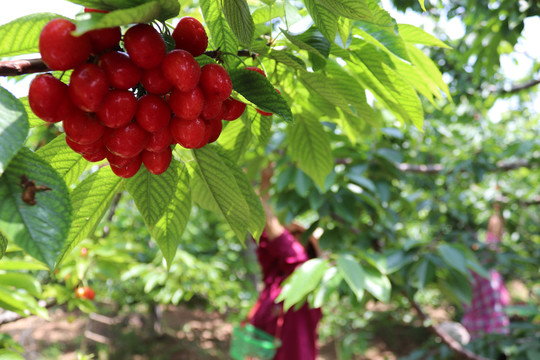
[261,126]
[152,193]
[258,90]
[257,217]
[27,264]
[22,281]
[365,10]
[329,283]
[33,120]
[39,229]
[301,282]
[10,355]
[3,245]
[416,35]
[63,159]
[21,36]
[385,40]
[221,184]
[377,284]
[235,139]
[168,230]
[387,86]
[453,257]
[457,286]
[135,12]
[429,71]
[20,302]
[475,266]
[318,51]
[326,21]
[422,4]
[13,127]
[264,14]
[353,274]
[221,35]
[309,145]
[288,59]
[90,199]
[239,19]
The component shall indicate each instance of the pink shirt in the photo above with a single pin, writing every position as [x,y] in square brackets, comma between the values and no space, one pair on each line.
[278,259]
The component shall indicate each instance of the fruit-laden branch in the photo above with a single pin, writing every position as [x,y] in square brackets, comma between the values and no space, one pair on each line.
[31,66]
[454,345]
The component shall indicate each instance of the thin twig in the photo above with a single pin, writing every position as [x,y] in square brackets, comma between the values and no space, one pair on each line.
[454,345]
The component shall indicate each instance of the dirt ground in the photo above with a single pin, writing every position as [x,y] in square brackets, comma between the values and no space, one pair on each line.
[187,334]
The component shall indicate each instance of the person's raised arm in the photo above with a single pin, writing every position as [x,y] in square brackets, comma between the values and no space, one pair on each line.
[273,226]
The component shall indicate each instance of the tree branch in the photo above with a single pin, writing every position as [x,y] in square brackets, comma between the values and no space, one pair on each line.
[447,339]
[437,168]
[21,67]
[31,66]
[524,86]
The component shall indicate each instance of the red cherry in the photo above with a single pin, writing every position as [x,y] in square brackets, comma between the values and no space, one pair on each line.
[88,148]
[84,252]
[216,126]
[129,170]
[97,156]
[233,109]
[121,71]
[181,69]
[88,86]
[254,68]
[159,140]
[215,82]
[144,45]
[189,35]
[118,108]
[48,98]
[127,141]
[154,82]
[188,133]
[211,109]
[87,10]
[157,162]
[187,105]
[104,39]
[153,113]
[59,49]
[118,161]
[83,128]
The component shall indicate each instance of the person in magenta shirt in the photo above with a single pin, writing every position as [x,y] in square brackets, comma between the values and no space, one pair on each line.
[279,252]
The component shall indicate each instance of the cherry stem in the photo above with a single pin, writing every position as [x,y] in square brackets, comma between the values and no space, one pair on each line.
[31,66]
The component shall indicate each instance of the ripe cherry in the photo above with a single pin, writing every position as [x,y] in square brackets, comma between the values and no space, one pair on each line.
[85,293]
[153,113]
[256,69]
[157,162]
[181,69]
[144,45]
[83,128]
[129,170]
[97,156]
[118,108]
[115,160]
[159,140]
[211,109]
[190,35]
[215,82]
[188,133]
[104,39]
[88,86]
[216,126]
[187,105]
[88,148]
[233,109]
[127,141]
[48,98]
[59,49]
[154,82]
[121,71]
[84,251]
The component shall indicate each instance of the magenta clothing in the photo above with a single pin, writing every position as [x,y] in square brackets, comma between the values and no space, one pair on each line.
[278,259]
[486,314]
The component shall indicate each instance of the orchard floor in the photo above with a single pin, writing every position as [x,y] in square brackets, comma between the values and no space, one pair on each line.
[188,335]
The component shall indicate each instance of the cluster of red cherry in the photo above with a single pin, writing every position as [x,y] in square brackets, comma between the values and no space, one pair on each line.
[176,101]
